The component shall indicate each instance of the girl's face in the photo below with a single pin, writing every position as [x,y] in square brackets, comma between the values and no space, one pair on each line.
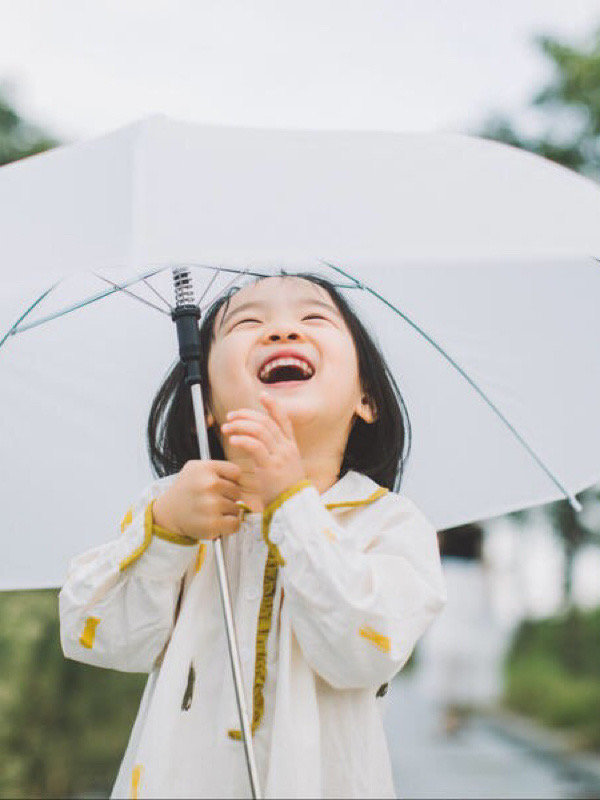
[281,314]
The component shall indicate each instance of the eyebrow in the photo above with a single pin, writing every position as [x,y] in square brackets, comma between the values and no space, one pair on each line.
[260,304]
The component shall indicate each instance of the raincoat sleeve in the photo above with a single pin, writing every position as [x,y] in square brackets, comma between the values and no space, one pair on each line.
[118,604]
[358,602]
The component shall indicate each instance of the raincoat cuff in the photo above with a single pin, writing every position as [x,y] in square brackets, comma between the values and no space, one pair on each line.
[285,495]
[270,510]
[168,536]
[294,503]
[162,551]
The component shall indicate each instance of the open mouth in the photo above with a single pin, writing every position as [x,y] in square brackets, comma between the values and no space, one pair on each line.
[286,370]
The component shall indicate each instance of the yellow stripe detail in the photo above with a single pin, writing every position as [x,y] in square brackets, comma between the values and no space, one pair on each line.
[136,776]
[271,508]
[378,639]
[265,616]
[89,632]
[130,559]
[351,503]
[302,485]
[175,538]
[274,560]
[127,519]
[287,493]
[200,558]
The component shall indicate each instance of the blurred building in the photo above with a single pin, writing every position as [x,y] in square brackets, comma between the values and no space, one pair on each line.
[460,657]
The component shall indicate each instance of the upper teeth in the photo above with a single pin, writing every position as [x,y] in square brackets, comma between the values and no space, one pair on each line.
[288,361]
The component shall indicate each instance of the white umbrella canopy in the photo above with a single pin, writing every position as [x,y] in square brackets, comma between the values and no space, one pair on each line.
[162,191]
[486,251]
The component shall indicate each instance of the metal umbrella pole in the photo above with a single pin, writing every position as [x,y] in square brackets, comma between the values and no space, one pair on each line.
[186,315]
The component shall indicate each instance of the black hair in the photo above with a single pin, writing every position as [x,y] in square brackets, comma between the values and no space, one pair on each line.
[374,449]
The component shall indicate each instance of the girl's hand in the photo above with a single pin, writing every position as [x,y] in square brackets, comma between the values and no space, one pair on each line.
[269,442]
[201,501]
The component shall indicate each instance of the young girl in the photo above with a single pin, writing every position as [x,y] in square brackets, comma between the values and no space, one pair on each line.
[333,575]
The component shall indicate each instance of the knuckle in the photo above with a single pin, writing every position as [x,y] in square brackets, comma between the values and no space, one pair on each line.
[211,503]
[211,478]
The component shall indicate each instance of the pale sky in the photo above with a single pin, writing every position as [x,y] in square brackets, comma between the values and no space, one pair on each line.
[83,67]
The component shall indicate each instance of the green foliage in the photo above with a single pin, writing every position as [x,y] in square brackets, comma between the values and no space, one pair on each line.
[553,673]
[63,725]
[573,93]
[19,138]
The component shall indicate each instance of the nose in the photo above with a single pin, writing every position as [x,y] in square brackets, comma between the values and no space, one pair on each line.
[275,337]
[281,331]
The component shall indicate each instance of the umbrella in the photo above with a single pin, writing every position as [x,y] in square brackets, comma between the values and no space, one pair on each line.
[473,263]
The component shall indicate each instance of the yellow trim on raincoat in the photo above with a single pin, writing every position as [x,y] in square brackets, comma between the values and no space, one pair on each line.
[136,776]
[274,560]
[89,632]
[378,639]
[151,529]
[127,519]
[200,557]
[351,503]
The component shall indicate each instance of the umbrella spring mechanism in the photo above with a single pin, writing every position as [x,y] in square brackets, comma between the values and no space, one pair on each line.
[185,315]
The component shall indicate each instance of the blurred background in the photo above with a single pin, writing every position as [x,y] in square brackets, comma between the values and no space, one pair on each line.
[501,698]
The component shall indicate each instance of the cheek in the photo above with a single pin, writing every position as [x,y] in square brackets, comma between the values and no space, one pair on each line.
[346,355]
[225,370]
[343,364]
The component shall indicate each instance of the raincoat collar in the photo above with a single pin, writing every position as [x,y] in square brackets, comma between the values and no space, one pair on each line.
[351,490]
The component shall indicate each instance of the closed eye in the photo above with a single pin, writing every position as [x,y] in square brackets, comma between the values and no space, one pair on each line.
[246,320]
[309,316]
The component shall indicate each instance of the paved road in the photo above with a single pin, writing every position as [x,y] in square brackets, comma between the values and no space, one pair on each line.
[477,762]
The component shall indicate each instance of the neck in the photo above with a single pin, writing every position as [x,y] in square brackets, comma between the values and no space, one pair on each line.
[322,464]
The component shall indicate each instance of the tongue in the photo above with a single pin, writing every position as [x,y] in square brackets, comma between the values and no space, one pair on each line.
[286,373]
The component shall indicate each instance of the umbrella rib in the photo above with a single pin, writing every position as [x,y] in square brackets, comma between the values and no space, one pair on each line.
[254,274]
[17,328]
[157,293]
[68,309]
[131,294]
[222,269]
[13,329]
[226,287]
[570,497]
[210,283]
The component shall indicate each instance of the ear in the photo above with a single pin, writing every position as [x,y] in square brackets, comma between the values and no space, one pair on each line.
[210,420]
[365,409]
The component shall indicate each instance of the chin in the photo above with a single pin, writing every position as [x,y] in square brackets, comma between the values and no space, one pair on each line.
[301,411]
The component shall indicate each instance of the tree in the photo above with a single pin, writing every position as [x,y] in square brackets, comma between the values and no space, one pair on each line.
[19,138]
[63,725]
[573,93]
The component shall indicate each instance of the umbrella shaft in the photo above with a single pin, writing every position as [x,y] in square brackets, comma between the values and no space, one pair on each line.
[227,612]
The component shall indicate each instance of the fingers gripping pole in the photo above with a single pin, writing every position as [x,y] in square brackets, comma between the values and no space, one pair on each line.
[186,315]
[227,613]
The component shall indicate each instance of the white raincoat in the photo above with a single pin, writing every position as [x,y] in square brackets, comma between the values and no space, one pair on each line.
[330,593]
